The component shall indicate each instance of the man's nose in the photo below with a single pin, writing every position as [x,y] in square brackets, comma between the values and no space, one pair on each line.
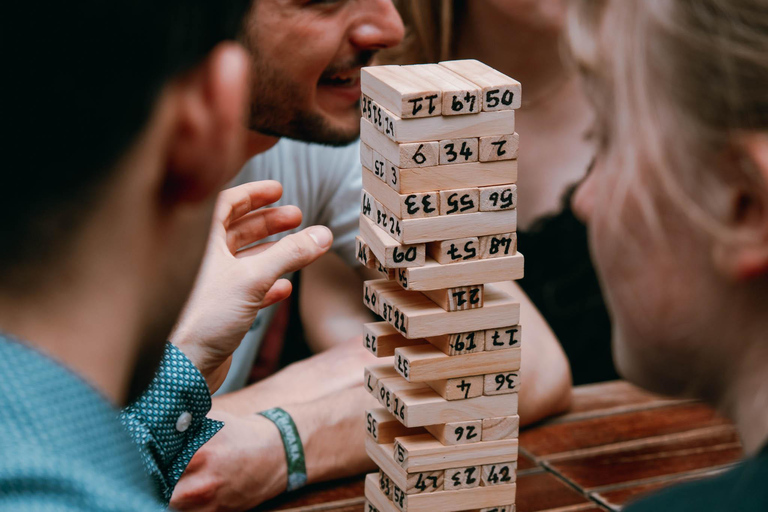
[379,26]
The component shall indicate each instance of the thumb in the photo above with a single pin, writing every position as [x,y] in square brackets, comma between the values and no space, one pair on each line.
[295,252]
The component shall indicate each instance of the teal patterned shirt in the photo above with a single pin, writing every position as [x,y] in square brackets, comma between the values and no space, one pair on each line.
[64,448]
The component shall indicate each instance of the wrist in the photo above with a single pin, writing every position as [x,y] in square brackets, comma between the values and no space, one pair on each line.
[295,465]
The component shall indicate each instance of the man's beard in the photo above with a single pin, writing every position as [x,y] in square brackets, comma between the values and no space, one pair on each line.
[276,107]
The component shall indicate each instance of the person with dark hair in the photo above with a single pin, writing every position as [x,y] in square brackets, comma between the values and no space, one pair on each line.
[125,122]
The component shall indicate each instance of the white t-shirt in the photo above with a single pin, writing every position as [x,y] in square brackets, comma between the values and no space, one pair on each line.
[325,183]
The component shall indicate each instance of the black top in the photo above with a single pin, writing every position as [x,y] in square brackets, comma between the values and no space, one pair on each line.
[742,489]
[561,282]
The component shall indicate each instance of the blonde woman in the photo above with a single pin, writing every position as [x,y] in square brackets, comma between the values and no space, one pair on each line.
[524,39]
[677,211]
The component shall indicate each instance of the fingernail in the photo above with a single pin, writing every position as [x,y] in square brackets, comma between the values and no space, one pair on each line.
[322,236]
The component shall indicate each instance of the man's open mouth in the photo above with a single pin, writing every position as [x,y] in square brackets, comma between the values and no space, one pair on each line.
[345,79]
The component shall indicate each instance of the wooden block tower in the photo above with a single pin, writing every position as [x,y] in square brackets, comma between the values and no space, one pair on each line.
[439,154]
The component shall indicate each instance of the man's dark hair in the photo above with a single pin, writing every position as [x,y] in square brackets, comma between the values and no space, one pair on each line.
[81,80]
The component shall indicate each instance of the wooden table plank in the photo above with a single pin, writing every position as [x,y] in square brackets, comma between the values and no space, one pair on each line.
[543,491]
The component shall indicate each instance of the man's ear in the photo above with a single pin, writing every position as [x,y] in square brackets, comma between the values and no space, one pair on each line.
[743,255]
[207,142]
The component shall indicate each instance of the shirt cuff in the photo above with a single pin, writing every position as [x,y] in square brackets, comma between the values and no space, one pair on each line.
[168,421]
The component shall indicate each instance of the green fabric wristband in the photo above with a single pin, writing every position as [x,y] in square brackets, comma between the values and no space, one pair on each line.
[294,450]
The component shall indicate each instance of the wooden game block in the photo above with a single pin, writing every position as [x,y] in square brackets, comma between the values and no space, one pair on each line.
[499,92]
[459,343]
[404,206]
[460,95]
[366,155]
[457,299]
[461,432]
[422,406]
[371,293]
[375,499]
[433,276]
[503,338]
[501,383]
[503,473]
[384,428]
[364,254]
[499,147]
[404,155]
[381,339]
[463,478]
[454,251]
[457,500]
[388,391]
[416,316]
[425,453]
[400,91]
[450,127]
[379,168]
[367,206]
[498,246]
[390,253]
[465,200]
[459,388]
[459,151]
[422,363]
[500,197]
[430,481]
[386,273]
[449,227]
[382,456]
[375,372]
[385,484]
[503,427]
[378,116]
[388,222]
[455,176]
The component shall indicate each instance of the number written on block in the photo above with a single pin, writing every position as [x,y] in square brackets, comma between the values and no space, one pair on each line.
[466,103]
[398,408]
[426,482]
[369,342]
[424,205]
[399,453]
[379,166]
[458,151]
[370,298]
[462,478]
[464,343]
[467,433]
[372,426]
[501,383]
[402,277]
[498,98]
[385,484]
[499,474]
[466,297]
[494,199]
[459,201]
[398,497]
[422,102]
[508,337]
[402,365]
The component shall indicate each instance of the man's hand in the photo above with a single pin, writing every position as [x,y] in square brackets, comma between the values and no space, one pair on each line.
[241,466]
[235,283]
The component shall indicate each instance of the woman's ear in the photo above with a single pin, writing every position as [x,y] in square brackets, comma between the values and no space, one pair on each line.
[207,145]
[743,255]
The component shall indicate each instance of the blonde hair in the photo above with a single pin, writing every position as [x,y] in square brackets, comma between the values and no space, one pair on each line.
[687,76]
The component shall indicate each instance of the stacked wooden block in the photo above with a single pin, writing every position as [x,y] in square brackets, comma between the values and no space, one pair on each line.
[439,154]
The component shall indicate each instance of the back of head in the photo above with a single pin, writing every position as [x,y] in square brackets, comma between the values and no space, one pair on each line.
[82,79]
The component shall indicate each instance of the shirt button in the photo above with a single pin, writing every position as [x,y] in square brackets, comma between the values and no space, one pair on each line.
[182,424]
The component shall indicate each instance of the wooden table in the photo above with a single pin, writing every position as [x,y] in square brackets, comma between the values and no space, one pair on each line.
[616,443]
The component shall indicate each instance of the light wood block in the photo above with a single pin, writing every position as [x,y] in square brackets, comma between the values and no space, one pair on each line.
[499,92]
[389,251]
[415,316]
[384,428]
[506,337]
[389,392]
[459,151]
[379,168]
[503,427]
[449,227]
[425,482]
[456,176]
[382,456]
[459,95]
[422,363]
[466,200]
[378,116]
[386,273]
[500,197]
[501,383]
[423,406]
[499,474]
[364,254]
[457,299]
[375,372]
[454,251]
[459,343]
[366,155]
[454,501]
[404,155]
[498,246]
[404,206]
[463,478]
[425,453]
[400,91]
[375,500]
[385,484]
[462,432]
[381,339]
[499,147]
[459,388]
[434,276]
[388,222]
[371,293]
